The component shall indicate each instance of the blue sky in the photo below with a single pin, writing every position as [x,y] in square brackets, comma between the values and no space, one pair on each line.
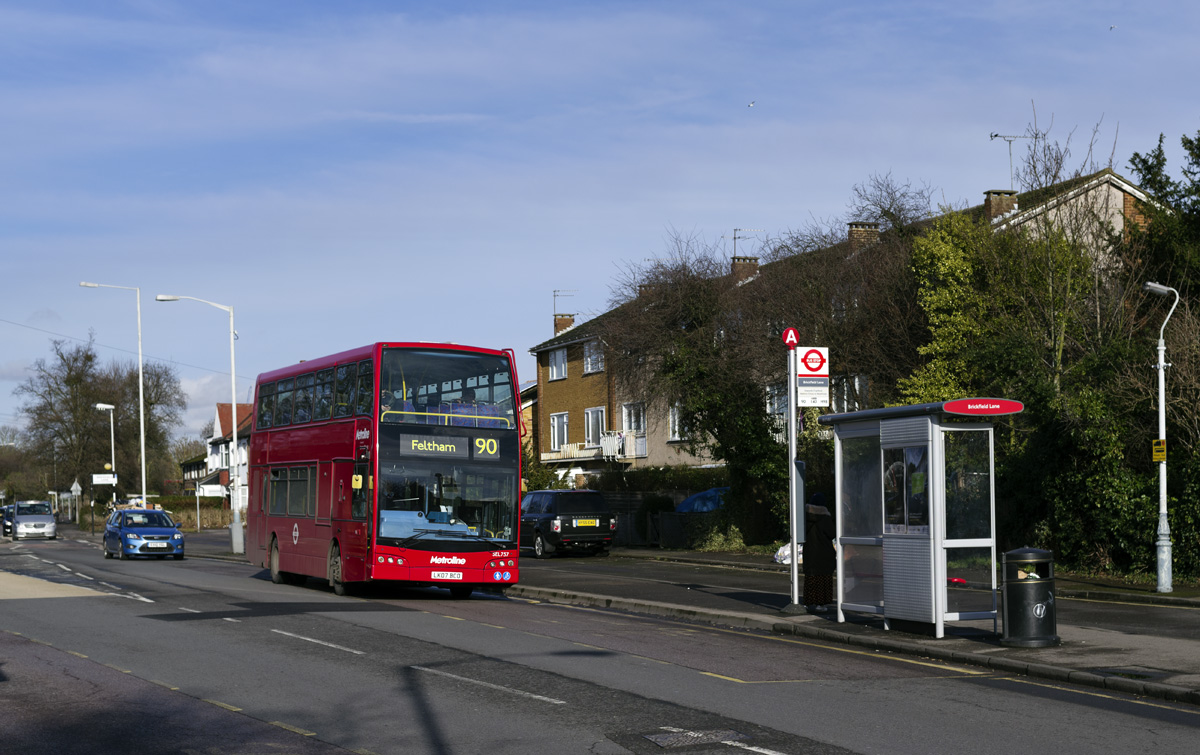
[343,173]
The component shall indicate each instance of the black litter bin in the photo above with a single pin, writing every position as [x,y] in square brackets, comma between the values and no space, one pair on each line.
[1028,595]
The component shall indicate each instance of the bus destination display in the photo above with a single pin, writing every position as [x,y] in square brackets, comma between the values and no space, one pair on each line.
[449,448]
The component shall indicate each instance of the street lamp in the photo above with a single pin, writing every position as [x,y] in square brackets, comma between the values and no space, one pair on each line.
[141,381]
[112,436]
[1164,529]
[235,493]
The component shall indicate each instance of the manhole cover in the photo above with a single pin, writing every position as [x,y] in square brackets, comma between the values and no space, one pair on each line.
[682,738]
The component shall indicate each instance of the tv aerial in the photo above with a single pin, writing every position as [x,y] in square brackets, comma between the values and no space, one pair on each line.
[735,236]
[1010,140]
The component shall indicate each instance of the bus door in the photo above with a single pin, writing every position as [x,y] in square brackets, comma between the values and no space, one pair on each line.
[352,489]
[325,492]
[261,506]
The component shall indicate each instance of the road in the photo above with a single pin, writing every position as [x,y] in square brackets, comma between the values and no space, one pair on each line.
[236,664]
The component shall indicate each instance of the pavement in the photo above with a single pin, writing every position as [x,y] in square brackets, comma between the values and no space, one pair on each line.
[1125,639]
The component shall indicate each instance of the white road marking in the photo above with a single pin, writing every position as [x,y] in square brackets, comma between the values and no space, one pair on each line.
[761,750]
[135,596]
[319,642]
[64,568]
[189,610]
[489,685]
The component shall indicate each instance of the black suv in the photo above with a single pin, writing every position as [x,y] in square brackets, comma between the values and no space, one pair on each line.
[557,519]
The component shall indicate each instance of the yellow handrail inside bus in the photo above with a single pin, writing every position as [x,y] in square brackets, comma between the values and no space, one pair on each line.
[444,417]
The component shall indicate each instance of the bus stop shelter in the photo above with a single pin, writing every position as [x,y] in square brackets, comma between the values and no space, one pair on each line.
[916,511]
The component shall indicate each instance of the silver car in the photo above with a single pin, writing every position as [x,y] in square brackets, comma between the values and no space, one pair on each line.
[33,519]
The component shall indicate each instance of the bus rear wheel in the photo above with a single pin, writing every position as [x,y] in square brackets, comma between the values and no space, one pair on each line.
[335,571]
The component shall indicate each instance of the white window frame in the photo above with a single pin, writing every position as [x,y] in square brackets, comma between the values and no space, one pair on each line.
[675,431]
[593,426]
[593,357]
[558,431]
[558,364]
[633,417]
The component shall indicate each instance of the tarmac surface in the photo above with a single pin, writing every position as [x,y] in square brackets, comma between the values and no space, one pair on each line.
[1130,640]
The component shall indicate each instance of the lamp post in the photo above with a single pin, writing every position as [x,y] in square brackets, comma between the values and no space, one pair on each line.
[1164,529]
[112,435]
[235,496]
[141,382]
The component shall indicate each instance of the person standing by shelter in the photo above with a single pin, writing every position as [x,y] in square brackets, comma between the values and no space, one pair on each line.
[820,555]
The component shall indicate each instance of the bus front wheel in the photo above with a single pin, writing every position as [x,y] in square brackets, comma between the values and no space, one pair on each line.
[335,571]
[276,575]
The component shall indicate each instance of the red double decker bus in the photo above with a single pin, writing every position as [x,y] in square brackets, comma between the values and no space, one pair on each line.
[395,461]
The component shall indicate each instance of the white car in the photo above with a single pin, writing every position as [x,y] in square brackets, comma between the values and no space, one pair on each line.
[33,519]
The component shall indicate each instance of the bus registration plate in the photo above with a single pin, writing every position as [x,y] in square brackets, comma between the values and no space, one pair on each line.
[446,575]
[587,523]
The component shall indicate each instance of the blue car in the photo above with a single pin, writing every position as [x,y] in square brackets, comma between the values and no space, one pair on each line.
[142,532]
[709,500]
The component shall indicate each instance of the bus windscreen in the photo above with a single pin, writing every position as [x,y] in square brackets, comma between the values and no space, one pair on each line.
[446,388]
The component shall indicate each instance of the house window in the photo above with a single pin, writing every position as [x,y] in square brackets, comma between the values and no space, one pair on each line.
[558,431]
[593,357]
[593,426]
[633,418]
[777,399]
[558,364]
[675,428]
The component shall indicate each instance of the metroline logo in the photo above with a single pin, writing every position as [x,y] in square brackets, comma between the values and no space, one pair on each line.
[447,560]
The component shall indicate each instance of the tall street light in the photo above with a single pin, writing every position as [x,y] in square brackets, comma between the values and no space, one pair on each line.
[112,436]
[235,497]
[1164,529]
[141,381]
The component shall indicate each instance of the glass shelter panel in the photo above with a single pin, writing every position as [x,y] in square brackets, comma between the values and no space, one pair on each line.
[906,490]
[862,574]
[968,485]
[862,488]
[969,580]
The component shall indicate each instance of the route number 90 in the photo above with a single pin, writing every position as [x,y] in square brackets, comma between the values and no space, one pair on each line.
[486,448]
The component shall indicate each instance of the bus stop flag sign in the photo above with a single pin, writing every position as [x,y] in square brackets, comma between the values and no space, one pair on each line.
[812,376]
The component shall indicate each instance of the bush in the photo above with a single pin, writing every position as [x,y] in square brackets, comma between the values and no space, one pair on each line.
[692,479]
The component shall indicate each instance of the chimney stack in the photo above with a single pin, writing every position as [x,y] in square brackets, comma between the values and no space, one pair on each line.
[999,202]
[562,322]
[743,267]
[862,233]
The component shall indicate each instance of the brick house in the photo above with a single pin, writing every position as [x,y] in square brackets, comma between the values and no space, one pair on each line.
[582,424]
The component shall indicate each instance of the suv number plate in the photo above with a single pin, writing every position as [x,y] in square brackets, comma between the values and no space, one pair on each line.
[446,575]
[587,523]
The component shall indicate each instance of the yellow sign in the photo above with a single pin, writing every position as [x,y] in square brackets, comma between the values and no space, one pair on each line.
[1160,449]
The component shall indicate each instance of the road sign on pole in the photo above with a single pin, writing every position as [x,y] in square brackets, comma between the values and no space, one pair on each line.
[812,376]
